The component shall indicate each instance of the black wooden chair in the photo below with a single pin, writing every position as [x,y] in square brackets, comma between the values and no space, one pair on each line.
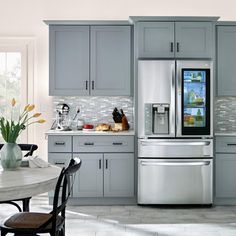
[33,223]
[29,149]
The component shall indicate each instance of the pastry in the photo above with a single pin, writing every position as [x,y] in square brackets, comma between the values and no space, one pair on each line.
[103,127]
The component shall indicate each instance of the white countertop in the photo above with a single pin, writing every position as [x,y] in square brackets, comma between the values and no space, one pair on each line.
[226,134]
[92,132]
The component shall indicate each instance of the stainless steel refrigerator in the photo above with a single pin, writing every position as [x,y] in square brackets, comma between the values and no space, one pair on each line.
[175,145]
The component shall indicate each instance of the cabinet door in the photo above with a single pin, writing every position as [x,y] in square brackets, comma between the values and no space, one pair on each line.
[155,39]
[68,60]
[119,175]
[225,175]
[89,179]
[193,39]
[226,60]
[110,60]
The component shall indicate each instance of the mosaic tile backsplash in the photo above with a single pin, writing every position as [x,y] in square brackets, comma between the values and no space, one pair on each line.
[225,114]
[98,109]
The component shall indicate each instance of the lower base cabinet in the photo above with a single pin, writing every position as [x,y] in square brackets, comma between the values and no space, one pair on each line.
[105,175]
[225,170]
[225,175]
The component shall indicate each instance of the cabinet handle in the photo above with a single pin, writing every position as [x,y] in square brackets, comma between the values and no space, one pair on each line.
[100,164]
[60,143]
[86,84]
[177,46]
[171,47]
[93,85]
[59,163]
[106,164]
[88,144]
[231,144]
[117,143]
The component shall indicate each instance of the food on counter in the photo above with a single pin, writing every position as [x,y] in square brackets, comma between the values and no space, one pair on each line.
[117,127]
[88,126]
[103,127]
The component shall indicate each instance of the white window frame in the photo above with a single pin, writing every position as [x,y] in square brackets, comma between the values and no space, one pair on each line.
[26,46]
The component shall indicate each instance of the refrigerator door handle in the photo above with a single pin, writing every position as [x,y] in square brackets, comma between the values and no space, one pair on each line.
[174,143]
[172,112]
[175,163]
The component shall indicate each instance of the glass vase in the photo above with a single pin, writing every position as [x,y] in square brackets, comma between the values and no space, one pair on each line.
[11,156]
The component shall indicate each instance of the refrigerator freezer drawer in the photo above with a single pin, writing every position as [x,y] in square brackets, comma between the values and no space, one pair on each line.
[183,148]
[175,181]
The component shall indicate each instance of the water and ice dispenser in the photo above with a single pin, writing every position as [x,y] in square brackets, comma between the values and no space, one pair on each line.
[157,118]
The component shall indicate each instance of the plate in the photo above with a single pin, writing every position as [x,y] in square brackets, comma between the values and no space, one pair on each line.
[88,129]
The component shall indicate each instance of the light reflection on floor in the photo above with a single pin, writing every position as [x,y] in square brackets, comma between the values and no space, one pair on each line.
[137,220]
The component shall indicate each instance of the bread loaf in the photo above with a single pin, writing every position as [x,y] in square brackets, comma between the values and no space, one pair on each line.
[103,127]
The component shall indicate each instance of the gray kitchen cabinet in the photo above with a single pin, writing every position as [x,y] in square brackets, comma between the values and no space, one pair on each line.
[110,60]
[175,39]
[89,179]
[225,175]
[89,60]
[106,175]
[68,60]
[226,60]
[155,39]
[118,175]
[194,39]
[225,170]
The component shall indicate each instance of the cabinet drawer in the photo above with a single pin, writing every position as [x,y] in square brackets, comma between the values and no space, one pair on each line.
[59,159]
[60,143]
[103,144]
[226,144]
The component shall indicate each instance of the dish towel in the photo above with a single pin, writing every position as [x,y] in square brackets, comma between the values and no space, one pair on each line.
[36,162]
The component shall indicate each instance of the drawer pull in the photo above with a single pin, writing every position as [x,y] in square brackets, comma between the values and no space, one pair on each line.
[117,143]
[106,164]
[231,144]
[88,144]
[100,164]
[59,163]
[60,143]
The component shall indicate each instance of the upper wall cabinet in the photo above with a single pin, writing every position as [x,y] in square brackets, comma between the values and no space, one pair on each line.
[90,60]
[226,60]
[68,60]
[175,39]
[110,60]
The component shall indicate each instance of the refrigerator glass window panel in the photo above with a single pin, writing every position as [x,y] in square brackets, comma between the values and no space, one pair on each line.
[196,101]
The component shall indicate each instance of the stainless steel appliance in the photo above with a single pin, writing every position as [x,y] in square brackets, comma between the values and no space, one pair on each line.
[175,146]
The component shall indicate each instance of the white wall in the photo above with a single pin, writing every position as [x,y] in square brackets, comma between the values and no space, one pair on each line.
[25,18]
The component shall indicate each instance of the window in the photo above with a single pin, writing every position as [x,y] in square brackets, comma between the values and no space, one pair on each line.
[15,69]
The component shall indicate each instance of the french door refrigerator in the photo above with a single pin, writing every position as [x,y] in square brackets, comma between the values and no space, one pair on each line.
[175,145]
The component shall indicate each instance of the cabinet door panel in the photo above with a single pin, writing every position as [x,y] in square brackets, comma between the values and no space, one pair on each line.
[69,60]
[226,60]
[119,175]
[194,39]
[110,60]
[225,175]
[155,39]
[89,179]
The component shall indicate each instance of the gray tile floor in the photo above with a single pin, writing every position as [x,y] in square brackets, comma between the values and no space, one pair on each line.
[137,220]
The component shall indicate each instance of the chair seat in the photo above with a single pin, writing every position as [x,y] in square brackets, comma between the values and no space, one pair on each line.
[30,220]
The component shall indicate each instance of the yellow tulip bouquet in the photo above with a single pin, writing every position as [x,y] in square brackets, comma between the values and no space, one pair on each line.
[10,129]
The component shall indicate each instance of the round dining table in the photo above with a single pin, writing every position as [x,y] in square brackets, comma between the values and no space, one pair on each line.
[25,182]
